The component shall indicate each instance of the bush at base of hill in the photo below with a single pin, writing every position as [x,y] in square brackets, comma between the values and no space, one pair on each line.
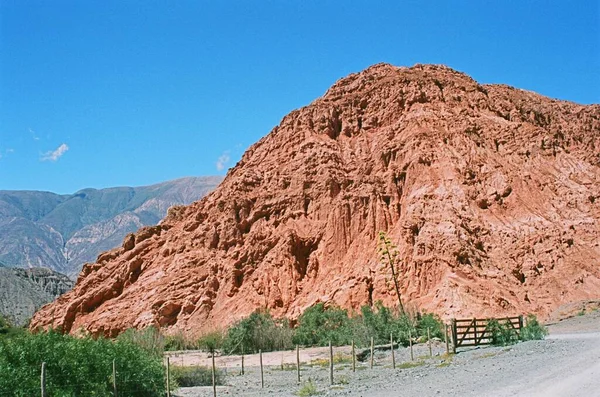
[533,330]
[259,331]
[77,366]
[321,324]
[502,333]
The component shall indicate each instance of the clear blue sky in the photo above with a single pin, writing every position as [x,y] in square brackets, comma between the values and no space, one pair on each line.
[108,93]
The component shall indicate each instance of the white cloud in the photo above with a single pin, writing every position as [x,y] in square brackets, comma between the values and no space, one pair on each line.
[7,151]
[35,137]
[223,160]
[56,154]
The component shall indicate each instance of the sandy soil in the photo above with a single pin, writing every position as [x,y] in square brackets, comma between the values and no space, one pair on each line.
[567,363]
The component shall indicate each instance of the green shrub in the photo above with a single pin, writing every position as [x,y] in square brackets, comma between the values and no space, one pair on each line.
[211,341]
[381,323]
[319,325]
[533,330]
[259,331]
[77,366]
[195,376]
[502,333]
[433,323]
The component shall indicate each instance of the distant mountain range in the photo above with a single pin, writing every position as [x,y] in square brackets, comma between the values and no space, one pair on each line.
[62,232]
[23,291]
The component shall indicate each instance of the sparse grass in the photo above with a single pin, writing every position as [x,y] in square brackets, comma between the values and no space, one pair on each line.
[410,364]
[308,389]
[447,360]
[286,367]
[340,358]
[319,362]
[488,355]
[342,380]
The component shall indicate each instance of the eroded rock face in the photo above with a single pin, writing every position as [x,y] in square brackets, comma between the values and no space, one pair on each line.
[491,193]
[23,291]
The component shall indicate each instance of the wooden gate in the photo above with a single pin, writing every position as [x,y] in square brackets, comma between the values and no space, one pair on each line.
[475,332]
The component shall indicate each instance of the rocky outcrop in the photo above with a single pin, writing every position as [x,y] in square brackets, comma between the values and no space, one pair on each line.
[491,193]
[23,291]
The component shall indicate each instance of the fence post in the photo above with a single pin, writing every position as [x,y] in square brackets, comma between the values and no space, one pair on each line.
[262,378]
[372,352]
[429,341]
[214,377]
[330,364]
[412,357]
[43,380]
[446,336]
[168,378]
[454,335]
[520,323]
[242,359]
[392,349]
[353,357]
[114,378]
[298,361]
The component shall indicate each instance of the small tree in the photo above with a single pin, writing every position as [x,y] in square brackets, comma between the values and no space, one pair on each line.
[388,254]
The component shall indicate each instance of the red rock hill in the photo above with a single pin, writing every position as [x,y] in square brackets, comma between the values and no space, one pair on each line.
[491,193]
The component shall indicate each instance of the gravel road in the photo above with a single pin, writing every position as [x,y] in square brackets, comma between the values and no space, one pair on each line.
[566,364]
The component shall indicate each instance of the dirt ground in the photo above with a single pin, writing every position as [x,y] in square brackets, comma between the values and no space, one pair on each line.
[566,364]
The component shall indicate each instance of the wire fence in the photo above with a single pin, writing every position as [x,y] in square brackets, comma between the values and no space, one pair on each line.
[54,382]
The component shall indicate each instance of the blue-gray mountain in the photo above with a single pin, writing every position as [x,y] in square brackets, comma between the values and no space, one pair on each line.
[62,232]
[23,291]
